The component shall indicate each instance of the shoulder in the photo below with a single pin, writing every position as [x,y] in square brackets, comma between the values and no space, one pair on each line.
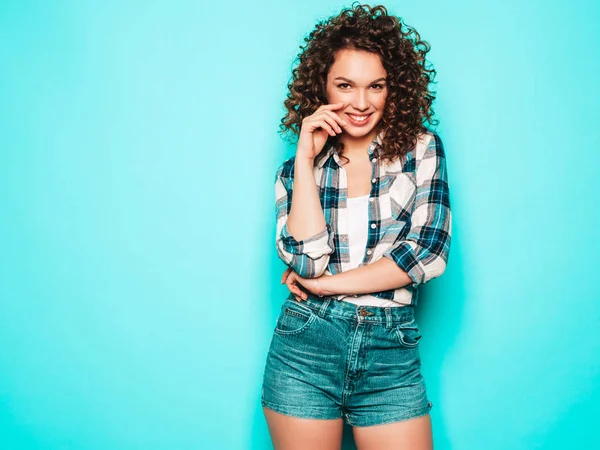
[429,144]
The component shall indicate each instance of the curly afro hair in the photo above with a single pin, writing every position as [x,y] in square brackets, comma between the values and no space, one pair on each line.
[409,101]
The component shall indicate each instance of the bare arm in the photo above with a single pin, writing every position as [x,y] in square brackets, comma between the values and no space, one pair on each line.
[306,217]
[304,239]
[382,275]
[308,255]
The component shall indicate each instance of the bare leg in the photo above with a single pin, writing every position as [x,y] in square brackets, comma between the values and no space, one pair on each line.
[293,433]
[412,434]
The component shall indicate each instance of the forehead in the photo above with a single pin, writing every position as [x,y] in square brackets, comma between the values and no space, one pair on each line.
[357,65]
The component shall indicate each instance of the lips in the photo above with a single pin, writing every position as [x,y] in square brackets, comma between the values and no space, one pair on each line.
[358,119]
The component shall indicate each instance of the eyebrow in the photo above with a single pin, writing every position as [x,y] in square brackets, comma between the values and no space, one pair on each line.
[350,81]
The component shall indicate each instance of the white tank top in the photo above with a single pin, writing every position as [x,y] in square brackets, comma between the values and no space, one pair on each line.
[358,226]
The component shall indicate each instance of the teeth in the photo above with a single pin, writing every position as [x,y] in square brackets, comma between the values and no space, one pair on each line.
[358,118]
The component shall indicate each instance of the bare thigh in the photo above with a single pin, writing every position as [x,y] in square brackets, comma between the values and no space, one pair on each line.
[412,434]
[294,433]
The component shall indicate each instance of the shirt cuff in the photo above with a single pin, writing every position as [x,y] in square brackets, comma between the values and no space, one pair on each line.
[313,246]
[404,256]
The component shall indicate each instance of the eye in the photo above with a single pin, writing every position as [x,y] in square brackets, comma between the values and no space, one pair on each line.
[343,84]
[378,86]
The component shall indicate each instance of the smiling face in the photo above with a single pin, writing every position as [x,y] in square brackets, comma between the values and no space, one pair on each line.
[358,79]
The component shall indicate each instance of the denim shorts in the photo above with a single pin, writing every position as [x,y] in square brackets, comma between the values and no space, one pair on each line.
[329,358]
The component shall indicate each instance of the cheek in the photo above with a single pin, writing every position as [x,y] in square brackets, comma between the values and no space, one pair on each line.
[334,97]
[380,102]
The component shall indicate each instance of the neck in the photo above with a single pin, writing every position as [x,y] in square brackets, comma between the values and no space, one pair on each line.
[356,147]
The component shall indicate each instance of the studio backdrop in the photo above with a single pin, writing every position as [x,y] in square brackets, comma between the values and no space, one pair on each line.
[139,281]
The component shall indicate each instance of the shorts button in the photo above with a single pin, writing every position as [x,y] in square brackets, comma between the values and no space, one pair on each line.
[363,312]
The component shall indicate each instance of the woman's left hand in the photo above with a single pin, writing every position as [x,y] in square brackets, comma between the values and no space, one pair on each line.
[292,280]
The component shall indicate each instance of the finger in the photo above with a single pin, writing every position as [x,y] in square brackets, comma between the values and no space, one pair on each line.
[329,127]
[295,281]
[338,119]
[299,291]
[329,120]
[320,122]
[290,283]
[334,120]
[301,296]
[285,274]
[331,106]
[294,289]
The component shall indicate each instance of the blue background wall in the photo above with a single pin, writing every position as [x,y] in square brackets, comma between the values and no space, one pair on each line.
[138,277]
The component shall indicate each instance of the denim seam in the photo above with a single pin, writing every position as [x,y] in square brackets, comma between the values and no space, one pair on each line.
[364,320]
[281,332]
[395,417]
[300,411]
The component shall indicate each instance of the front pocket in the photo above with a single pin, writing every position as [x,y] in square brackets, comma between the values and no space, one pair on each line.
[402,195]
[408,334]
[293,319]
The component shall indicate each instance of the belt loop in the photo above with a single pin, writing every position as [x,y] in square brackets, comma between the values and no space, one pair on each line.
[324,305]
[388,317]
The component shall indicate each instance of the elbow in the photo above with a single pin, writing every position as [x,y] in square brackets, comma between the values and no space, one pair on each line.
[433,269]
[431,257]
[315,268]
[305,265]
[308,258]
[421,267]
[435,265]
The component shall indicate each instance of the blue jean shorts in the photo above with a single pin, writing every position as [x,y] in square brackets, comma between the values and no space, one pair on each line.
[329,359]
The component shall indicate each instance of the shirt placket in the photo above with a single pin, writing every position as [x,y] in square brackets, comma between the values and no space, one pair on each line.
[342,214]
[374,219]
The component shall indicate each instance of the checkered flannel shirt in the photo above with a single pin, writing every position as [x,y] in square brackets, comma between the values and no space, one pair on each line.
[409,216]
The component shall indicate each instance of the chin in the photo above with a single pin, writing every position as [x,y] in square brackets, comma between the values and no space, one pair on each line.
[360,131]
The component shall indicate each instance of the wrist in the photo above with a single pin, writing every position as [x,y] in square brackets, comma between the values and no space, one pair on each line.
[326,285]
[304,161]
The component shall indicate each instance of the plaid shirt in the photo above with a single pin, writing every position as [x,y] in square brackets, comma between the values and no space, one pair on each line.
[409,217]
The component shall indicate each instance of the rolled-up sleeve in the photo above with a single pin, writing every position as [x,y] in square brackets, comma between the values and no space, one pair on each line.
[423,254]
[309,257]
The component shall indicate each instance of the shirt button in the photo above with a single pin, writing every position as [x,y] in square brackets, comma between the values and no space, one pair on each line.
[369,252]
[373,180]
[373,225]
[374,159]
[371,199]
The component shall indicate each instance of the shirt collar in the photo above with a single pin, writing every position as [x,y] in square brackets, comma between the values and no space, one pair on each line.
[373,150]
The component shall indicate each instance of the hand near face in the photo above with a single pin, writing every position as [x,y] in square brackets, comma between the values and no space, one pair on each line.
[317,127]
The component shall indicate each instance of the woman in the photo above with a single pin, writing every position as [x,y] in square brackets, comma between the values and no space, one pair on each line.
[363,219]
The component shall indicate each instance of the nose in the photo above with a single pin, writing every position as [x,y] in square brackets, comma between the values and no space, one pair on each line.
[360,101]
